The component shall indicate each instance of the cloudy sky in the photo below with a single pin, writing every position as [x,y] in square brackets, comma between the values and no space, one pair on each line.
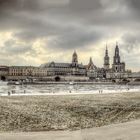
[33,32]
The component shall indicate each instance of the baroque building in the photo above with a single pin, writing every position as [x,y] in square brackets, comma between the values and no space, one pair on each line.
[21,72]
[91,69]
[65,69]
[118,68]
[73,71]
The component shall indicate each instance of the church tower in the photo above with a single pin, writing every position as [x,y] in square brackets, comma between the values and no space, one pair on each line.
[106,60]
[117,55]
[74,59]
[118,66]
[90,65]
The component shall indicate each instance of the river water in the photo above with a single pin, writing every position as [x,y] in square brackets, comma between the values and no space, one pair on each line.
[49,89]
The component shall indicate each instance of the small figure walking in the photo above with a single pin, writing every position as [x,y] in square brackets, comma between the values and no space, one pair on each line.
[13,91]
[9,93]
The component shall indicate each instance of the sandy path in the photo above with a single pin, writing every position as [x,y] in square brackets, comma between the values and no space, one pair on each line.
[124,131]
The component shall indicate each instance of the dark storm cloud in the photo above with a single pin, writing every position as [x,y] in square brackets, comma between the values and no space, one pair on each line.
[135,4]
[31,4]
[74,38]
[70,24]
[82,5]
[26,18]
[32,25]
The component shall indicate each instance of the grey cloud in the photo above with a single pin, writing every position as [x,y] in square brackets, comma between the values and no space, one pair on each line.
[70,23]
[82,5]
[34,24]
[131,41]
[135,4]
[11,47]
[76,38]
[31,4]
[131,37]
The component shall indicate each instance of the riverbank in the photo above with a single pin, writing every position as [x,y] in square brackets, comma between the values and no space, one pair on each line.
[64,83]
[105,82]
[123,131]
[72,112]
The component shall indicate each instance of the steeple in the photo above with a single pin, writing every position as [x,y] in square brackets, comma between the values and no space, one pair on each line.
[106,53]
[91,66]
[117,66]
[117,55]
[106,59]
[74,59]
[90,60]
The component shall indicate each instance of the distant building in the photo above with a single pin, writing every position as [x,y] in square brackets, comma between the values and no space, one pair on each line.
[66,69]
[27,71]
[91,70]
[21,72]
[72,71]
[106,60]
[118,68]
[4,72]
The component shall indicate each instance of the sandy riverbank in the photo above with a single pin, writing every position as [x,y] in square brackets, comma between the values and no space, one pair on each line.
[123,131]
[72,112]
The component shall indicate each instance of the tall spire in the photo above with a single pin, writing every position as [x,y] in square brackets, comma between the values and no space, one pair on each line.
[117,55]
[106,59]
[117,66]
[106,53]
[75,52]
[91,66]
[74,59]
[117,49]
[91,62]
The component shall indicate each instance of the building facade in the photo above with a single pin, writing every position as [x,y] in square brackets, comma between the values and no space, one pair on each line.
[117,65]
[21,72]
[3,72]
[69,71]
[91,70]
[118,70]
[65,69]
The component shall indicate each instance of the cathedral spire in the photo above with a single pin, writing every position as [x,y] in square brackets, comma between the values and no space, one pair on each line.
[117,55]
[106,59]
[106,53]
[90,61]
[117,66]
[74,59]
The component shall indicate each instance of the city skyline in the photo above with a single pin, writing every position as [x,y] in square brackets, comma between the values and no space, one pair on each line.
[111,59]
[33,32]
